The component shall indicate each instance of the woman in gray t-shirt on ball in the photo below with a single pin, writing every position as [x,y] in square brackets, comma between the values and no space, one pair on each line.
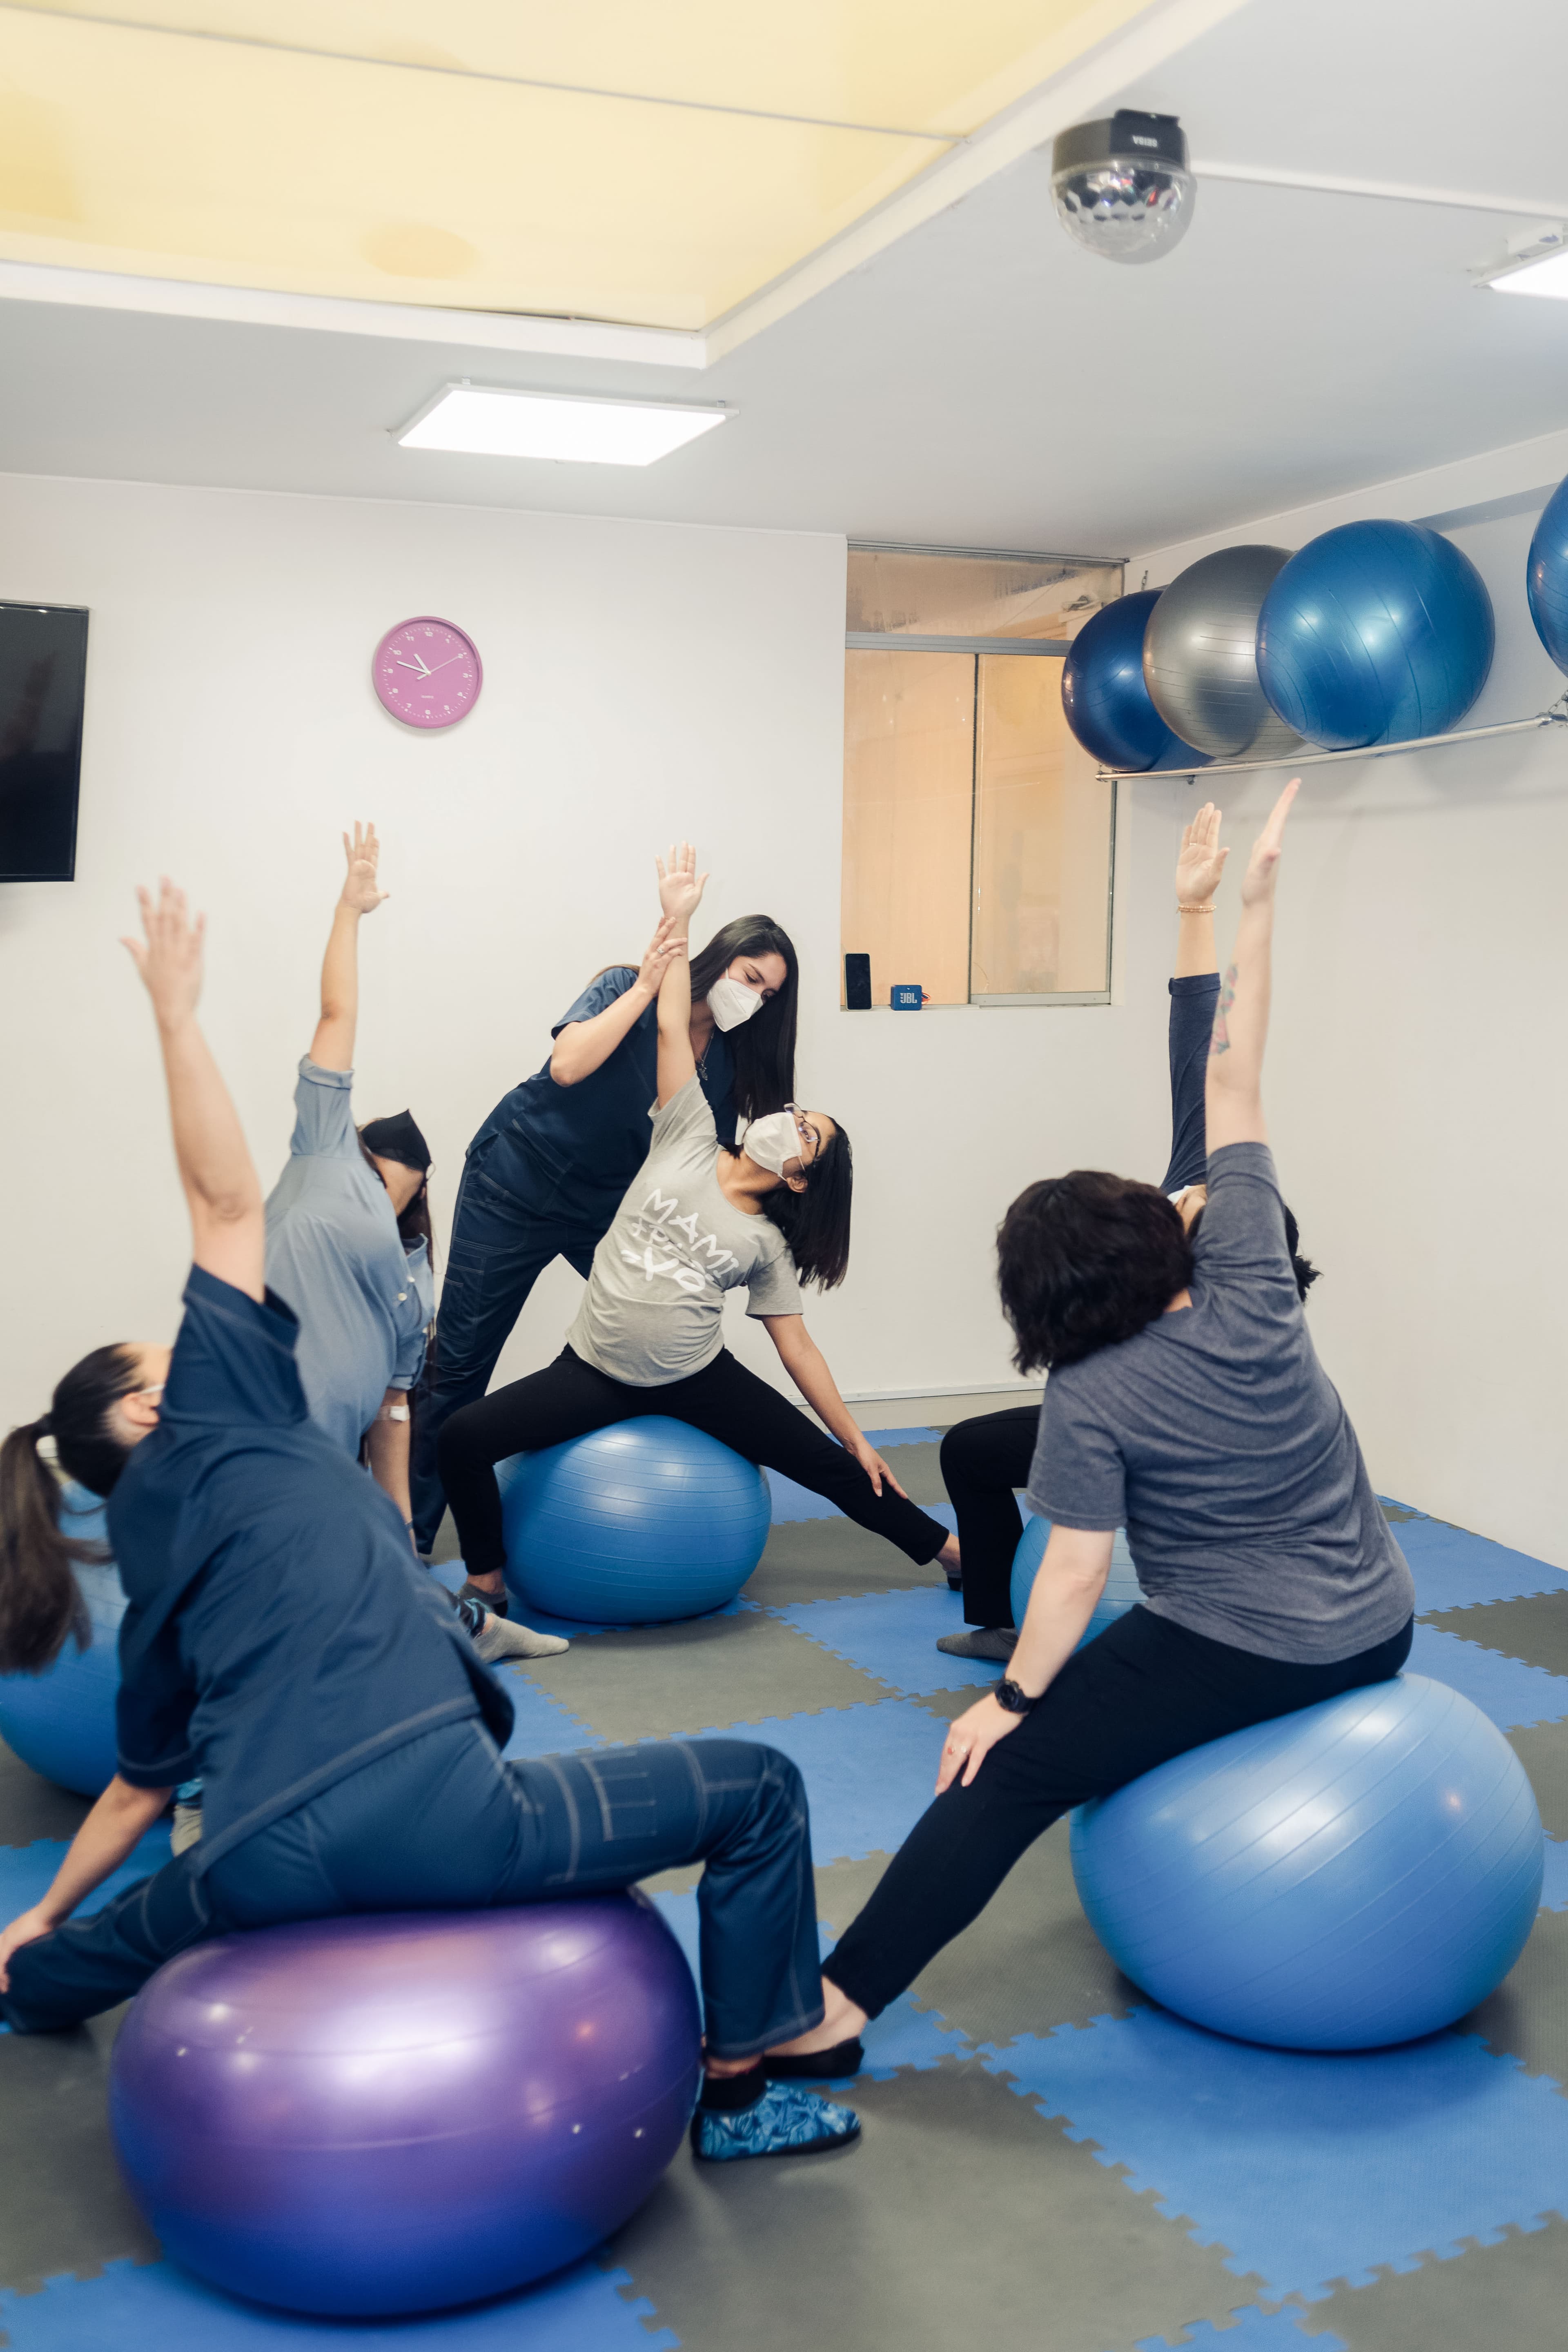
[1185,1403]
[701,1218]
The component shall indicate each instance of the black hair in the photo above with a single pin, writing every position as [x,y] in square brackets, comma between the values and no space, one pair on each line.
[763,1047]
[1086,1260]
[414,1224]
[40,1604]
[816,1223]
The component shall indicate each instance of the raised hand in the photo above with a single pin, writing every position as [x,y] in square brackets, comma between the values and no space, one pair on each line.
[1257,882]
[667,943]
[169,955]
[1200,861]
[680,886]
[361,889]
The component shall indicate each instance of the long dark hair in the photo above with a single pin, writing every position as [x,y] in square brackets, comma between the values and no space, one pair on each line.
[414,1224]
[816,1223]
[764,1046]
[40,1605]
[1085,1261]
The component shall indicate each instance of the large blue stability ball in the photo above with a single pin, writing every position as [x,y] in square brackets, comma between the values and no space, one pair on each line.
[1106,703]
[637,1524]
[1375,632]
[392,2114]
[1121,1594]
[1357,1874]
[1546,576]
[61,1722]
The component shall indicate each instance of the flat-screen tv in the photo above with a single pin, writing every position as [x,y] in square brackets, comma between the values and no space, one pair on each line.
[43,679]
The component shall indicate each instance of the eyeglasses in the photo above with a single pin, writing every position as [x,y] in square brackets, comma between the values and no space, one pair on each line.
[807,1133]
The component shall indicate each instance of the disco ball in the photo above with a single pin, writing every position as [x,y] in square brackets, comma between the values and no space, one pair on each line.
[1122,187]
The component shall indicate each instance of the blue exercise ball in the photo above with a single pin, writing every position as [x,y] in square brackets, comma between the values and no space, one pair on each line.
[1357,1874]
[1121,1594]
[61,1722]
[1106,703]
[639,1523]
[1546,576]
[1375,632]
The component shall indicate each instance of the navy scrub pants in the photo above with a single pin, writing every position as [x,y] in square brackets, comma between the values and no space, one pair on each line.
[444,1824]
[513,1217]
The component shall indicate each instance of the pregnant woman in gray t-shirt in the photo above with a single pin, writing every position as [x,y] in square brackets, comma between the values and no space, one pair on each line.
[701,1219]
[1186,1402]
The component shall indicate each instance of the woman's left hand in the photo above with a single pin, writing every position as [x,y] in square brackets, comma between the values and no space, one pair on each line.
[362,891]
[970,1740]
[875,1469]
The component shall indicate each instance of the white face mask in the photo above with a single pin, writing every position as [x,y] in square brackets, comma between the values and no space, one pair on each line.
[773,1143]
[731,1002]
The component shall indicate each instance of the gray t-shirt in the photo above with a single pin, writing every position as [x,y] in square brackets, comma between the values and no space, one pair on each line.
[334,1254]
[1217,1440]
[652,1310]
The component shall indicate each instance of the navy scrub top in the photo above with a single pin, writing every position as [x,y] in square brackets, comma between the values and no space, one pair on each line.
[595,1135]
[279,1633]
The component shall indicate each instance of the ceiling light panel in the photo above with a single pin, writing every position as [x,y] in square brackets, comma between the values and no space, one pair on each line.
[874,62]
[653,168]
[481,420]
[1548,277]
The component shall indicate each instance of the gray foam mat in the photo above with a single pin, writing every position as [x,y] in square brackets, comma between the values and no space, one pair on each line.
[705,1675]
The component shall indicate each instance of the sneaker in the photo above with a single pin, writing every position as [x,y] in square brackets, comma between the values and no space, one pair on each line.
[783,2122]
[497,1642]
[497,1603]
[994,1644]
[832,2065]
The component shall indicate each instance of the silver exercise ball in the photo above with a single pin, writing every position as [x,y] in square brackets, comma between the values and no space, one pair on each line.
[1200,656]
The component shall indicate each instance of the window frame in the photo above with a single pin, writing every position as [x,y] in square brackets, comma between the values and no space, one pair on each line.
[1009,649]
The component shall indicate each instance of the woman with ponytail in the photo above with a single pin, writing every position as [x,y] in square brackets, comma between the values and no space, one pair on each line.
[281,1642]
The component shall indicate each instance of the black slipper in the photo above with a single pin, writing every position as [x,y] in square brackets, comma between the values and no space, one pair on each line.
[834,2065]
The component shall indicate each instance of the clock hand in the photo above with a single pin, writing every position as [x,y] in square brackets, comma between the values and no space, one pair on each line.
[415,664]
[444,665]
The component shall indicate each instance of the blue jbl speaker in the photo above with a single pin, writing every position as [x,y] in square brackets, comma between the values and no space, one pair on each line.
[907,996]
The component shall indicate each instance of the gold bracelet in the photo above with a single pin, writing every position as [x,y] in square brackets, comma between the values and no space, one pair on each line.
[1194,911]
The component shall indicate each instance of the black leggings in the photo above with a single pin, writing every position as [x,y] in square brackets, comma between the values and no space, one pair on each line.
[569,1398]
[1144,1691]
[982,1461]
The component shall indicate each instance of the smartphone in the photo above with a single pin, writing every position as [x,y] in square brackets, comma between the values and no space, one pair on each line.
[858,984]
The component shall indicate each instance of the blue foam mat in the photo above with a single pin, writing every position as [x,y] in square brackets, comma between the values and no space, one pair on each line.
[1307,2169]
[1455,1569]
[869,1771]
[154,2307]
[25,1871]
[1250,2330]
[1511,1693]
[893,1636]
[1554,1886]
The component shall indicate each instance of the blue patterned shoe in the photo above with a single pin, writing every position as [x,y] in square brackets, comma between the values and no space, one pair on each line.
[783,2122]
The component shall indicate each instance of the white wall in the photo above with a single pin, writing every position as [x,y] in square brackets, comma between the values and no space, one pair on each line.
[1415,1082]
[639,679]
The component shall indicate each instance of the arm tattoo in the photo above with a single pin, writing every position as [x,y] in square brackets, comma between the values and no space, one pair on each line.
[1219,1042]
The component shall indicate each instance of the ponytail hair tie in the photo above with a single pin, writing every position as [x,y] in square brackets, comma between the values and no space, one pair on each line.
[44,1427]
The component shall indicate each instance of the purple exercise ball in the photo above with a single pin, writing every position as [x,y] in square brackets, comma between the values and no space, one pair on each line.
[391,2114]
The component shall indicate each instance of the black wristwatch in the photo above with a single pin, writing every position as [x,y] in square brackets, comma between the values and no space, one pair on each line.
[1008,1694]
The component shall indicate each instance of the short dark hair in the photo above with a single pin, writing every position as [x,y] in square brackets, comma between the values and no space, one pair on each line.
[1085,1261]
[816,1223]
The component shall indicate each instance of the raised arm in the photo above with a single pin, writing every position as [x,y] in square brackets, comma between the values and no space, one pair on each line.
[228,1230]
[583,1047]
[332,1046]
[680,888]
[1195,987]
[1234,1096]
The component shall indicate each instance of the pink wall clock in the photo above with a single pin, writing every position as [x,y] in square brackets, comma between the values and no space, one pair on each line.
[427,673]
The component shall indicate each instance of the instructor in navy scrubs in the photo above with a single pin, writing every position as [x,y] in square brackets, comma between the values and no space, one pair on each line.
[547,1170]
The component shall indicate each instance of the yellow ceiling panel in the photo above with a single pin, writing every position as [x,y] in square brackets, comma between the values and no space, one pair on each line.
[917,64]
[160,155]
